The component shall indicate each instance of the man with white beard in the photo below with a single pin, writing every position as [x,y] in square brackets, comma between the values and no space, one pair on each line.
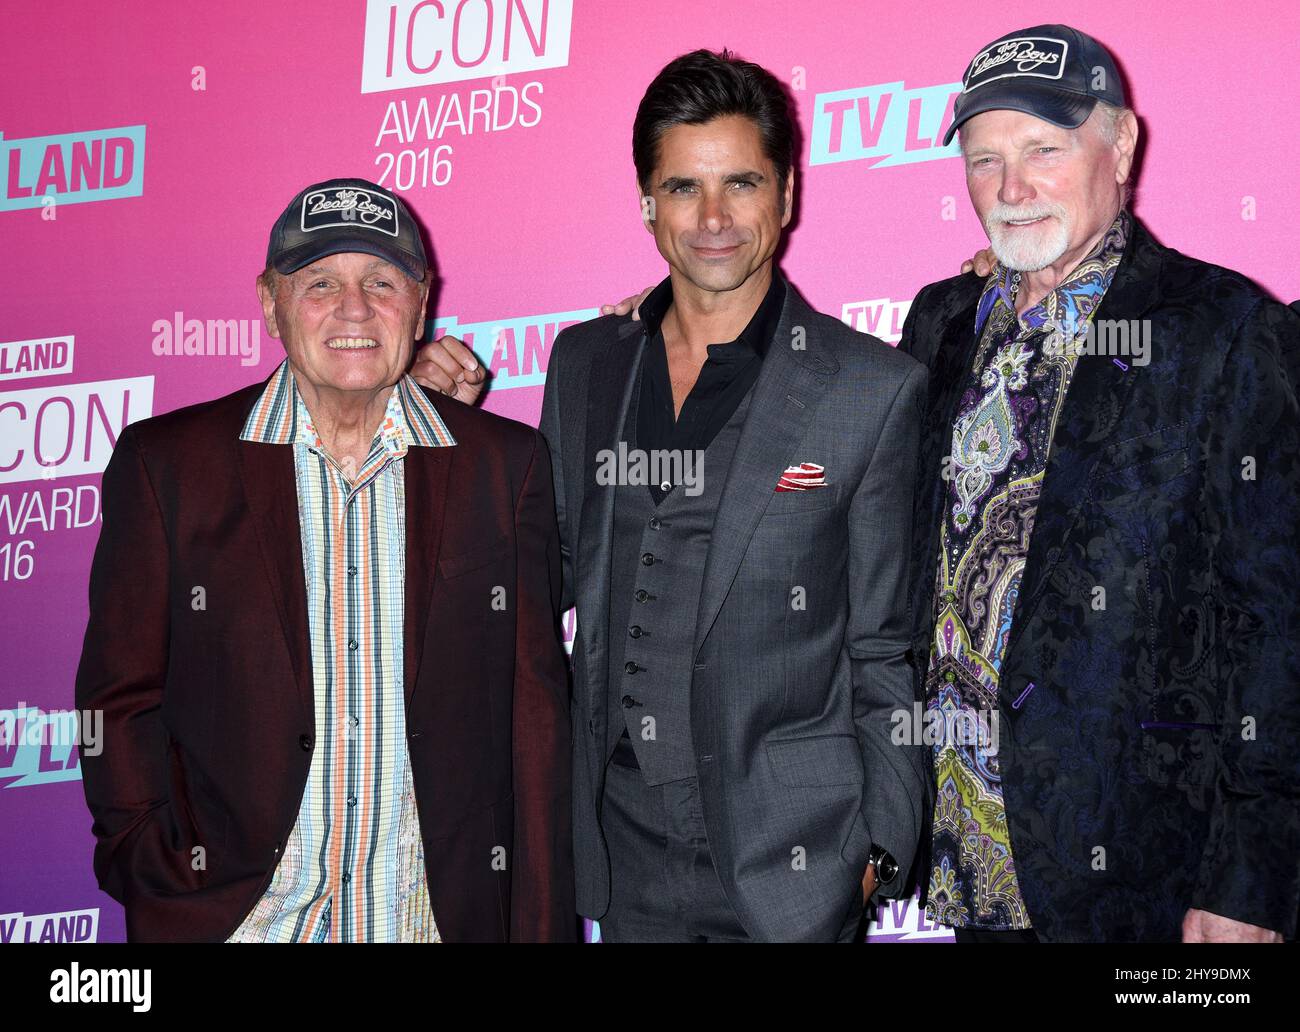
[1105,553]
[1104,558]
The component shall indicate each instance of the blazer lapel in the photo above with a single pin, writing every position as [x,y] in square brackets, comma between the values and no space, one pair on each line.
[1093,408]
[949,373]
[425,479]
[609,394]
[270,487]
[787,390]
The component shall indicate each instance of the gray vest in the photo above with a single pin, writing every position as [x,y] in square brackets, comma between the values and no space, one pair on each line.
[658,558]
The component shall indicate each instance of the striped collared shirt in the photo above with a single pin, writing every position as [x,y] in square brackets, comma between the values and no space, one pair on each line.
[352,869]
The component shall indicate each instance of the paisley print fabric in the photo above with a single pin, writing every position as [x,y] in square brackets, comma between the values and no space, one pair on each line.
[1001,439]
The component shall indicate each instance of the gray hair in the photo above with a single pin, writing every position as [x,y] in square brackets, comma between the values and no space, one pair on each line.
[1105,119]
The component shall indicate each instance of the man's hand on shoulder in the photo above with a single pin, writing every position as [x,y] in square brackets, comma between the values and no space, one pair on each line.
[982,262]
[1202,926]
[447,366]
[628,304]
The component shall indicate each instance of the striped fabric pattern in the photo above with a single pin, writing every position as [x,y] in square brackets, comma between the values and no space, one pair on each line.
[352,869]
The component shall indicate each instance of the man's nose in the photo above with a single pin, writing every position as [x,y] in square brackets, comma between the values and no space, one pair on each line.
[715,215]
[354,305]
[1015,187]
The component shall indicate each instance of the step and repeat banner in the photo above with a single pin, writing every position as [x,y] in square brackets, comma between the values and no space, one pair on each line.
[146,149]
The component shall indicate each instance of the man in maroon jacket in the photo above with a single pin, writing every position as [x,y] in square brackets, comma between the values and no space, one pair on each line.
[323,634]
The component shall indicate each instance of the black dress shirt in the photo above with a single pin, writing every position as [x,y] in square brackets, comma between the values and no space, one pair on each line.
[725,378]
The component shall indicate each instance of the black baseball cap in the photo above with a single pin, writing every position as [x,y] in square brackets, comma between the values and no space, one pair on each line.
[1053,72]
[341,215]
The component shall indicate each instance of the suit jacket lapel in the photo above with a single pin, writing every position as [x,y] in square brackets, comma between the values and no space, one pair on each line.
[949,373]
[270,486]
[425,478]
[1093,407]
[609,394]
[780,408]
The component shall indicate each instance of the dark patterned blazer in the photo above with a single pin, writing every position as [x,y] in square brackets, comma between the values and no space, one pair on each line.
[1149,730]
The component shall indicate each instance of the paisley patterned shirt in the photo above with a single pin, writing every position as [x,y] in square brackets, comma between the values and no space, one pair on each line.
[1001,437]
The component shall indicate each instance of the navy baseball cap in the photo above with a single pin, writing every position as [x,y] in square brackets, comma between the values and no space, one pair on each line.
[1053,72]
[341,215]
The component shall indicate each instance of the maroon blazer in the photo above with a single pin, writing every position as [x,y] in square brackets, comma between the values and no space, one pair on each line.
[208,712]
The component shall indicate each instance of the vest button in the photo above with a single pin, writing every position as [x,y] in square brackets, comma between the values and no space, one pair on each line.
[641,595]
[631,668]
[647,559]
[628,702]
[654,523]
[635,631]
[305,742]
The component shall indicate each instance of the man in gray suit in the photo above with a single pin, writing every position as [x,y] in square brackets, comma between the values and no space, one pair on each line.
[735,520]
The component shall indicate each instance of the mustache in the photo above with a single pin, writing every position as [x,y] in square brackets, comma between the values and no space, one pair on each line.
[1001,213]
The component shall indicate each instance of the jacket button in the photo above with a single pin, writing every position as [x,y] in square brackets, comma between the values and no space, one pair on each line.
[305,742]
[628,702]
[647,559]
[278,847]
[635,631]
[416,734]
[641,595]
[654,523]
[630,667]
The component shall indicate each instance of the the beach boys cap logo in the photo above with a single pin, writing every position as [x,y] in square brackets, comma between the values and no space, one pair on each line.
[1034,56]
[349,207]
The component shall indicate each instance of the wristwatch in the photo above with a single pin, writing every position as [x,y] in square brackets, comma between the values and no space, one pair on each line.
[886,866]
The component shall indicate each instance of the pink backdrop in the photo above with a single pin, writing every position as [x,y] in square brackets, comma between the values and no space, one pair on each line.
[170,136]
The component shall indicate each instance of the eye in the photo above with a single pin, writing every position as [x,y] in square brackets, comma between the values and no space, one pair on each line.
[1048,150]
[320,283]
[744,182]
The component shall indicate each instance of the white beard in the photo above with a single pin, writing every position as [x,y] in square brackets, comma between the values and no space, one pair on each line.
[1031,250]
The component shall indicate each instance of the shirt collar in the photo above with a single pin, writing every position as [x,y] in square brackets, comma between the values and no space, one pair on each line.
[1075,299]
[755,338]
[280,417]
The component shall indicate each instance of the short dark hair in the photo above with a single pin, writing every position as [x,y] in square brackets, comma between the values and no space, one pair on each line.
[701,86]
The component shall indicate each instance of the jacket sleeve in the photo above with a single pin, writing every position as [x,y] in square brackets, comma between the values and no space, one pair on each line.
[122,673]
[550,428]
[542,893]
[1250,869]
[879,634]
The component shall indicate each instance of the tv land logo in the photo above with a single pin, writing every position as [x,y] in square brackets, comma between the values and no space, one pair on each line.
[411,43]
[68,926]
[905,920]
[516,351]
[883,125]
[878,316]
[72,168]
[39,747]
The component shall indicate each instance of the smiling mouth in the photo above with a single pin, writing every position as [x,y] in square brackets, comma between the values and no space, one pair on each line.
[351,343]
[1024,222]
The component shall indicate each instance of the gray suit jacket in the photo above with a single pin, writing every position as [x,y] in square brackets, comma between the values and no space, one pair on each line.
[803,628]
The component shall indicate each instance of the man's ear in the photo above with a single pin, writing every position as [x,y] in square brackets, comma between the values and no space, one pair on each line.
[1126,140]
[423,313]
[267,299]
[787,199]
[647,203]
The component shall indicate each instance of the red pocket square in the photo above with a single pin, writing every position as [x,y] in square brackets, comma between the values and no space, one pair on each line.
[807,476]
